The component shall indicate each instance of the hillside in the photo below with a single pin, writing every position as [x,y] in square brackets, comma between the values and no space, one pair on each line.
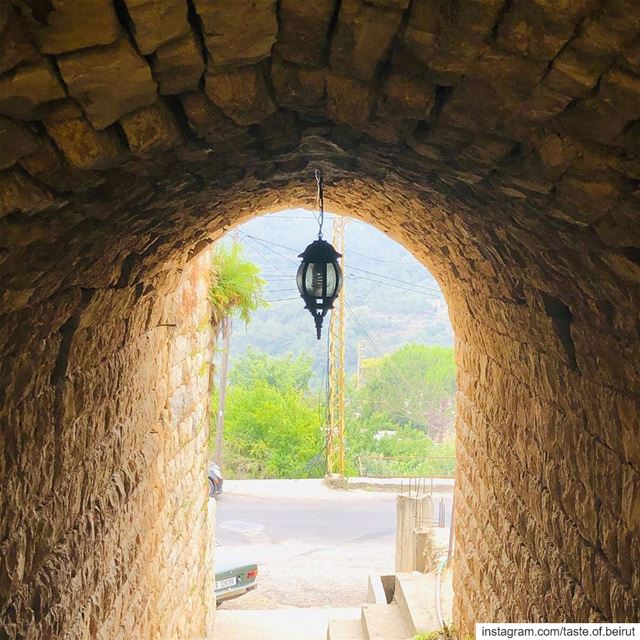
[392,297]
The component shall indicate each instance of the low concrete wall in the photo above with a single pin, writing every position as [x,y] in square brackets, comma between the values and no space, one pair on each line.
[411,513]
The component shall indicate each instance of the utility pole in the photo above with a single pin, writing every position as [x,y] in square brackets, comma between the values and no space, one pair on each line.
[222,391]
[335,427]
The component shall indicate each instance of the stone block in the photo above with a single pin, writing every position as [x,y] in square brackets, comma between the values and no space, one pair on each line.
[280,130]
[598,118]
[631,498]
[405,97]
[16,141]
[108,82]
[362,39]
[297,88]
[573,73]
[26,89]
[303,30]
[526,29]
[605,33]
[48,166]
[156,23]
[15,46]
[623,265]
[474,106]
[82,145]
[543,104]
[583,201]
[209,122]
[68,26]
[150,129]
[556,152]
[242,94]
[19,193]
[178,65]
[237,34]
[348,101]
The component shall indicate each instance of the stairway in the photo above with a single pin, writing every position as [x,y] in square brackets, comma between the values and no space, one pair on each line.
[405,608]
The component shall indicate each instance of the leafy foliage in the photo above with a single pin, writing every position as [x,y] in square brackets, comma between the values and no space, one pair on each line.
[285,373]
[274,425]
[377,446]
[413,386]
[237,288]
[401,421]
[272,428]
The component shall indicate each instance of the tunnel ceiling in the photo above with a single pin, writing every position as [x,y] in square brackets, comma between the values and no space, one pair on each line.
[502,135]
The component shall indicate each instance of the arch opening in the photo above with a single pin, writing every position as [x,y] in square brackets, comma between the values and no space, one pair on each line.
[318,547]
[498,142]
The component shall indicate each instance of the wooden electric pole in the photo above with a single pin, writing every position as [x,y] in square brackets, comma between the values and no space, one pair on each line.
[336,401]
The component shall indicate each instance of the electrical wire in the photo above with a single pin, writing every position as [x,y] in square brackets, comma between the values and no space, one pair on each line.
[413,284]
[394,286]
[289,290]
[378,275]
[265,244]
[261,254]
[403,382]
[376,259]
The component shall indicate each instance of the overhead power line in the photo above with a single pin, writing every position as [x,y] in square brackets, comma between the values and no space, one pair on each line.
[264,242]
[396,286]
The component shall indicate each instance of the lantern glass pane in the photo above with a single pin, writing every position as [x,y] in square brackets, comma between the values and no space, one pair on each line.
[332,280]
[315,279]
[300,279]
[339,278]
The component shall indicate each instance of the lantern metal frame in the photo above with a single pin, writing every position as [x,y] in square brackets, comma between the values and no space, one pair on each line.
[321,258]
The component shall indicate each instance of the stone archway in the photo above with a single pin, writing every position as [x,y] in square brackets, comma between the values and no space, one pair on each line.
[496,140]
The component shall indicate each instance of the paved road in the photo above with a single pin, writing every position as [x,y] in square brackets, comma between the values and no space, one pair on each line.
[243,519]
[314,548]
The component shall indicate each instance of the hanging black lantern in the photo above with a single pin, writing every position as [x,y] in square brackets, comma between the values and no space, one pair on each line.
[319,277]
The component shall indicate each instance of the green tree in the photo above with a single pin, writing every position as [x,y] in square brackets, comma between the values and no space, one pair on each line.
[237,290]
[401,421]
[415,386]
[286,372]
[272,426]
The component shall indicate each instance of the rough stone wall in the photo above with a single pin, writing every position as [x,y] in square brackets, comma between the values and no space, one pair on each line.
[103,463]
[497,139]
[548,480]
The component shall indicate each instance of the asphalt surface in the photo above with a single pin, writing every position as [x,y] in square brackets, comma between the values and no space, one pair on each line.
[246,519]
[314,547]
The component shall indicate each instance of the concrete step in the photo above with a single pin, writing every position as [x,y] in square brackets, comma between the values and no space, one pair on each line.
[345,630]
[384,622]
[278,624]
[415,594]
[375,590]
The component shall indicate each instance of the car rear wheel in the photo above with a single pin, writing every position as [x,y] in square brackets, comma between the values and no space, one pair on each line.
[212,488]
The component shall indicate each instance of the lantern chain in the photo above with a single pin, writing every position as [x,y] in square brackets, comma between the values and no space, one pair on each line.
[320,201]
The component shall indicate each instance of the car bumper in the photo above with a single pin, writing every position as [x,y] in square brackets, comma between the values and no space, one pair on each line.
[235,592]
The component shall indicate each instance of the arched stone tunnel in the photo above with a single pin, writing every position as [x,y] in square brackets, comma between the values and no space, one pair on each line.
[496,139]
